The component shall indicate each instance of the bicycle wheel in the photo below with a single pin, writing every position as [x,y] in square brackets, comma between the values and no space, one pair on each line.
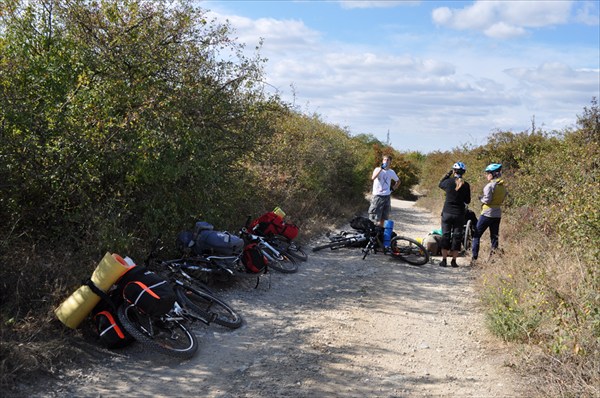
[468,237]
[208,307]
[167,336]
[343,242]
[409,250]
[290,247]
[286,265]
[297,252]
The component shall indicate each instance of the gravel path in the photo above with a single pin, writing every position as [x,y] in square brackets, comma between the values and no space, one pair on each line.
[340,327]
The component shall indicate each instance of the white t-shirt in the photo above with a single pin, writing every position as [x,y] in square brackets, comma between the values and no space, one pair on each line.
[382,185]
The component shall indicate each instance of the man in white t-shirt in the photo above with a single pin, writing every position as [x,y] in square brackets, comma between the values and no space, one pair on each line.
[382,178]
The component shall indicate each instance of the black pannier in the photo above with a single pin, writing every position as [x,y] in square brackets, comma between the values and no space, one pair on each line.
[146,290]
[108,328]
[362,224]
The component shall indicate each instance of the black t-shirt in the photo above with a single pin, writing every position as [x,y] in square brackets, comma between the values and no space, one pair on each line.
[455,200]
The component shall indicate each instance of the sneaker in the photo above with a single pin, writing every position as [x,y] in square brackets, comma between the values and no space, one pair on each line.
[453,263]
[443,263]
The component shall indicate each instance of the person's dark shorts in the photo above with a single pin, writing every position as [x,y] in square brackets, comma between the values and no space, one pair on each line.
[452,231]
[380,208]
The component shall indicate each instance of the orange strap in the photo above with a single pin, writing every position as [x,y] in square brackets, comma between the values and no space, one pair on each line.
[113,324]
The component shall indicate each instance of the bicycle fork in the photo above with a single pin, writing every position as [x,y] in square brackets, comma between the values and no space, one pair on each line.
[271,253]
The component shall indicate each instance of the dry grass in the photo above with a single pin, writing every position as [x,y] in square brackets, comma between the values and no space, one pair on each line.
[543,296]
[33,342]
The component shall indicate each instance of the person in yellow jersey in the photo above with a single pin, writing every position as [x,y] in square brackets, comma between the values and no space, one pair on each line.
[493,196]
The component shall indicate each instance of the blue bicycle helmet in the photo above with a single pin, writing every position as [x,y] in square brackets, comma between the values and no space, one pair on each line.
[492,167]
[459,167]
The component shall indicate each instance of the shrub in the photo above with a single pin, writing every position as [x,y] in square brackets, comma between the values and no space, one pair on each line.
[543,289]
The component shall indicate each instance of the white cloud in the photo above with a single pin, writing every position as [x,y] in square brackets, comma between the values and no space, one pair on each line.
[282,35]
[442,16]
[502,30]
[557,84]
[588,13]
[450,91]
[504,19]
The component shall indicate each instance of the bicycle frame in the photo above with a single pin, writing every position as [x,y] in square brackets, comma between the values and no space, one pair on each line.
[373,244]
[182,265]
[271,253]
[174,269]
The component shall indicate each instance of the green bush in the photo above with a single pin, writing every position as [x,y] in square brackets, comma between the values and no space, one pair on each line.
[123,120]
[543,289]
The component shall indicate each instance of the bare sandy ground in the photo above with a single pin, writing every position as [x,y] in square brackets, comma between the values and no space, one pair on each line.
[340,327]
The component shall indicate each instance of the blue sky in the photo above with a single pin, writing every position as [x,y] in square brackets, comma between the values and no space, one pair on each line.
[433,74]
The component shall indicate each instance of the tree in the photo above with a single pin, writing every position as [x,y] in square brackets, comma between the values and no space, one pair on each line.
[117,115]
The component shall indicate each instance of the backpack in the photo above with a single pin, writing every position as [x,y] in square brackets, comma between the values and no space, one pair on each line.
[362,224]
[253,259]
[433,244]
[109,330]
[146,290]
[273,224]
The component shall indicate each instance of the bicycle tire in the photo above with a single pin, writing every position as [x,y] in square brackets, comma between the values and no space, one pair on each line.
[343,242]
[168,337]
[468,237]
[208,307]
[287,265]
[297,252]
[409,250]
[290,247]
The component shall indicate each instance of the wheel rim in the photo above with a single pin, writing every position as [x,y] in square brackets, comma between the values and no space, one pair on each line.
[409,251]
[169,336]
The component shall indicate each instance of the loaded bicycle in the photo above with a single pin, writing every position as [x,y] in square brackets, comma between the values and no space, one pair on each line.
[193,295]
[167,333]
[219,254]
[278,233]
[370,237]
[278,259]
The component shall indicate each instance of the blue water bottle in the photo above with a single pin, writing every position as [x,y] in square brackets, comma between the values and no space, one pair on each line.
[388,228]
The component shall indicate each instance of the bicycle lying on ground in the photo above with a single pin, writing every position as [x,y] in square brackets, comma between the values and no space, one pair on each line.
[370,239]
[278,260]
[193,295]
[167,334]
[286,246]
[277,233]
[214,265]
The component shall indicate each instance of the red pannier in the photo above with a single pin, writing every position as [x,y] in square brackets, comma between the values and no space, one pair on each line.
[253,259]
[272,224]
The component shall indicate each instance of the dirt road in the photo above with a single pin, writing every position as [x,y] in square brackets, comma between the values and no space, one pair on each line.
[340,327]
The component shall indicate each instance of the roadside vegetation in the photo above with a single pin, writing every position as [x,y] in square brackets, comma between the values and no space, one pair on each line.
[543,291]
[120,120]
